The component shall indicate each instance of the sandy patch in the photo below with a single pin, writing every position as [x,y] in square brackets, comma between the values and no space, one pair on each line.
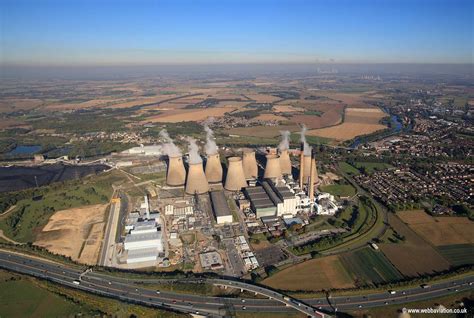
[75,232]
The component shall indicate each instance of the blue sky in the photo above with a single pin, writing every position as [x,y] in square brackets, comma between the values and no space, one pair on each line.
[73,32]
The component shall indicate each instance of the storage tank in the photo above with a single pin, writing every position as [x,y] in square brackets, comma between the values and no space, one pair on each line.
[235,179]
[214,168]
[176,174]
[196,181]
[250,164]
[272,167]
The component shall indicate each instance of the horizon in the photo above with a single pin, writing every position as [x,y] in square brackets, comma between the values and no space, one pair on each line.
[103,33]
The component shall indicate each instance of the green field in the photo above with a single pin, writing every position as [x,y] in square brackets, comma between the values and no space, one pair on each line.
[347,168]
[458,254]
[370,266]
[30,215]
[342,190]
[21,298]
[370,167]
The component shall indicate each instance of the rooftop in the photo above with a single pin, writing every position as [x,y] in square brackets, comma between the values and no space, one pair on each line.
[219,203]
[143,237]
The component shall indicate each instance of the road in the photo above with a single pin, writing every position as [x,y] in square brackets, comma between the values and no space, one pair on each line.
[106,252]
[133,290]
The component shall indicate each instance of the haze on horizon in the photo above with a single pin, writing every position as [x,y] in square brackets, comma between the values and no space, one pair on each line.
[134,33]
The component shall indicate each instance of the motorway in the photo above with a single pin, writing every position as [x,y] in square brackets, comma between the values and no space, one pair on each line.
[134,291]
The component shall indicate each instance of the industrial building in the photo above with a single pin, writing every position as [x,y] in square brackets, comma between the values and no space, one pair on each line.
[144,240]
[269,200]
[211,260]
[220,207]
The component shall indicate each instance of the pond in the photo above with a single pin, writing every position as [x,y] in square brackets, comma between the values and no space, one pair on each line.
[25,150]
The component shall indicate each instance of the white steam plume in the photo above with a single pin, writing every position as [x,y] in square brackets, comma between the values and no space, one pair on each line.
[306,147]
[168,146]
[211,147]
[285,140]
[193,150]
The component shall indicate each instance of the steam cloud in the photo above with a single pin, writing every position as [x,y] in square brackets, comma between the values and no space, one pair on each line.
[211,147]
[285,140]
[193,150]
[168,146]
[306,147]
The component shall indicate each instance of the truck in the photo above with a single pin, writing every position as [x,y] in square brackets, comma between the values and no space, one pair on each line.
[76,282]
[425,286]
[392,292]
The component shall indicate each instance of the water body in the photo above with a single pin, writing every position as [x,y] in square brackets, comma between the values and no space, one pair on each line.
[24,150]
[16,178]
[396,127]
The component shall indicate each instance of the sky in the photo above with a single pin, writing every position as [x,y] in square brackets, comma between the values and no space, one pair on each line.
[75,33]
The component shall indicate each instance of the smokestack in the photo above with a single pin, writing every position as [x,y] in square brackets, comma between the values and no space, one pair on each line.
[307,172]
[285,162]
[196,181]
[301,177]
[250,165]
[214,168]
[176,174]
[235,179]
[312,178]
[272,167]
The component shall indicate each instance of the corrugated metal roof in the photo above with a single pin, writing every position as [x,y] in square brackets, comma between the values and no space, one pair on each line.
[219,204]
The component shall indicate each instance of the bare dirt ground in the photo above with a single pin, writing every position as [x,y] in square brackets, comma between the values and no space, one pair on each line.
[76,232]
[177,116]
[414,256]
[440,230]
[270,117]
[357,122]
[313,275]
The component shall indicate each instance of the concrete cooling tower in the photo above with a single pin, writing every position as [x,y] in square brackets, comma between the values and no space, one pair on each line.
[307,168]
[214,168]
[285,163]
[196,181]
[250,165]
[235,179]
[176,173]
[272,167]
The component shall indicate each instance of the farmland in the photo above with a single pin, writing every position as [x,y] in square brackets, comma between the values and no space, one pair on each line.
[458,254]
[369,266]
[414,256]
[357,122]
[313,275]
[440,230]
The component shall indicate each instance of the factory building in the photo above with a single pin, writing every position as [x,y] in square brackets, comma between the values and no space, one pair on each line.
[145,240]
[142,255]
[220,207]
[270,200]
[260,202]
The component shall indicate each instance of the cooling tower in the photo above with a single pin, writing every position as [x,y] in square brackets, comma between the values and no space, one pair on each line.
[235,179]
[196,181]
[285,163]
[214,168]
[272,168]
[176,173]
[250,165]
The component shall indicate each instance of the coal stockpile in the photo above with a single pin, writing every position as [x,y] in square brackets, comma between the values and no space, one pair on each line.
[19,178]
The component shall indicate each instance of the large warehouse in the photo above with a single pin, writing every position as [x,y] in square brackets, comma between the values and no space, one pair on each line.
[220,207]
[270,200]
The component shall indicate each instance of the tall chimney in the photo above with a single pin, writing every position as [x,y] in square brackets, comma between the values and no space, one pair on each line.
[176,173]
[285,163]
[307,172]
[272,167]
[196,181]
[214,168]
[301,177]
[312,178]
[235,179]
[250,165]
